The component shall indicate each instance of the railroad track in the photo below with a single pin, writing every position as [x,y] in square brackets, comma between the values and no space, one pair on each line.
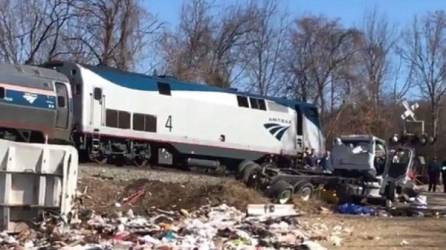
[163,174]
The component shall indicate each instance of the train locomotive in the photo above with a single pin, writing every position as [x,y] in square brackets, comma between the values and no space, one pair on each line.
[108,114]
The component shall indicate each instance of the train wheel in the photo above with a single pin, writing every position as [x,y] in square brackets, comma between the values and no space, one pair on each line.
[140,161]
[142,157]
[100,159]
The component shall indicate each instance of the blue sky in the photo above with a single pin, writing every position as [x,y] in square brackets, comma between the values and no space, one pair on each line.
[400,13]
[350,12]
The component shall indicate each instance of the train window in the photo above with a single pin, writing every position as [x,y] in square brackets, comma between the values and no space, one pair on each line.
[2,92]
[138,122]
[150,123]
[123,119]
[144,122]
[164,88]
[254,103]
[61,101]
[97,93]
[262,105]
[111,118]
[312,114]
[62,95]
[242,101]
[276,107]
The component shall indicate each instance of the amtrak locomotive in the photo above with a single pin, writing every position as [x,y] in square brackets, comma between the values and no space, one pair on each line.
[110,114]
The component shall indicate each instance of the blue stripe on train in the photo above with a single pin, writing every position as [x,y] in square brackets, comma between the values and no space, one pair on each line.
[29,99]
[149,83]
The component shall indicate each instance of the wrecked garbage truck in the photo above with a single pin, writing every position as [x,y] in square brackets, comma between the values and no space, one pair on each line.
[362,165]
[363,156]
[384,170]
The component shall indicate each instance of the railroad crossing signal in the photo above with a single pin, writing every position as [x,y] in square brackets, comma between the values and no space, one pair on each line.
[413,128]
[409,111]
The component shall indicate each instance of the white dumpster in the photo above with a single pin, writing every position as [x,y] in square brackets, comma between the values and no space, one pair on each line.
[35,177]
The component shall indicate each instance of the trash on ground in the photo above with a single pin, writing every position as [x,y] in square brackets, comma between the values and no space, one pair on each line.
[271,210]
[420,201]
[350,208]
[205,228]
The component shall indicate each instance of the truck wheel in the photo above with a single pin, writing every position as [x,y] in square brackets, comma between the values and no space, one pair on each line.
[282,191]
[241,168]
[268,165]
[249,171]
[304,191]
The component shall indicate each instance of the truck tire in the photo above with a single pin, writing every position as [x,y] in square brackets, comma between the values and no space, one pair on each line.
[304,190]
[241,168]
[248,171]
[281,192]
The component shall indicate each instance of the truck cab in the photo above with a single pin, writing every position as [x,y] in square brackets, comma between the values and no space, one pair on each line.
[369,158]
[359,156]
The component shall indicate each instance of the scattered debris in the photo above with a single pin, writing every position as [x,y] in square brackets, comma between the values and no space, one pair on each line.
[324,210]
[271,210]
[133,198]
[205,228]
[420,201]
[311,245]
[335,240]
[404,243]
[350,208]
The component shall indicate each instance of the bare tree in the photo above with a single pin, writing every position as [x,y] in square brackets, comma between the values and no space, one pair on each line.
[264,54]
[320,47]
[113,33]
[230,40]
[378,41]
[402,81]
[186,50]
[425,51]
[207,48]
[31,30]
[296,66]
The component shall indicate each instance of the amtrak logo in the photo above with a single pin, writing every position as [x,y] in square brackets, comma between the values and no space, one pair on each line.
[30,97]
[277,130]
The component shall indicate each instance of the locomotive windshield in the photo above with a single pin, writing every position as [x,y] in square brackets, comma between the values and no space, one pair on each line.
[312,114]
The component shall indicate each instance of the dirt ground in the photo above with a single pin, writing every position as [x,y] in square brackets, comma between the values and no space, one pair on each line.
[381,233]
[107,189]
[111,190]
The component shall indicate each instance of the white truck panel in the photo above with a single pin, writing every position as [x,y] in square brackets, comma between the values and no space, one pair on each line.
[35,177]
